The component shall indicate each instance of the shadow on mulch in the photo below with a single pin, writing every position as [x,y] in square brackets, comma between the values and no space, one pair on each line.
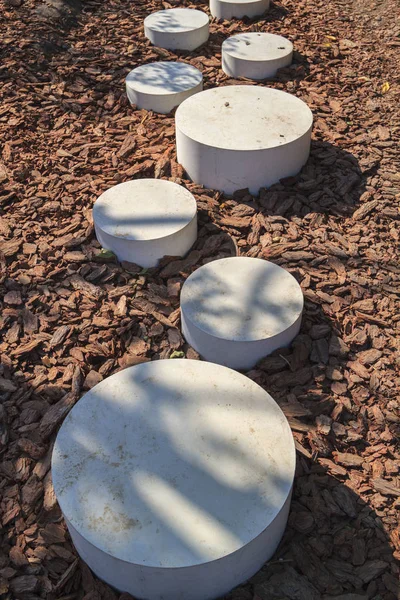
[275,12]
[62,12]
[53,20]
[297,71]
[334,545]
[214,41]
[331,182]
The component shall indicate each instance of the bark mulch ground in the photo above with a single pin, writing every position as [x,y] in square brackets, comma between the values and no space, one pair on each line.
[71,315]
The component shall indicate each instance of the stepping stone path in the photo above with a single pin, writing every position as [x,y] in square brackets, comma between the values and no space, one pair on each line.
[143,220]
[228,9]
[174,478]
[255,55]
[177,28]
[235,311]
[235,137]
[162,86]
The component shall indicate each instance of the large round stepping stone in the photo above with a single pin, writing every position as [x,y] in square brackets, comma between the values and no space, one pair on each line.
[227,9]
[235,311]
[143,220]
[177,28]
[255,55]
[174,478]
[236,137]
[162,86]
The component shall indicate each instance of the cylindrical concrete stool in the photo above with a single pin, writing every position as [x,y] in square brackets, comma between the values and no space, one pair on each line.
[227,9]
[235,311]
[177,28]
[143,220]
[255,55]
[174,478]
[162,86]
[236,137]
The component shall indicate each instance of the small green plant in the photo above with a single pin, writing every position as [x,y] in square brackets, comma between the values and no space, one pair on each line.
[108,254]
[177,354]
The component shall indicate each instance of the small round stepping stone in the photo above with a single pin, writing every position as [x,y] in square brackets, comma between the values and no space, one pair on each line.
[255,55]
[235,311]
[235,137]
[162,86]
[228,9]
[143,220]
[174,478]
[177,28]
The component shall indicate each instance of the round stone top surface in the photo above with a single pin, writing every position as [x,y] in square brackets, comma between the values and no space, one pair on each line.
[176,20]
[144,209]
[164,78]
[243,117]
[173,463]
[257,46]
[242,299]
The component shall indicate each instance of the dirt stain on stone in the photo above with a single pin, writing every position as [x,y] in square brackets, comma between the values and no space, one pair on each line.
[119,521]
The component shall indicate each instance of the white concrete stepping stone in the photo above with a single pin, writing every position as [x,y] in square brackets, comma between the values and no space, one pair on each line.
[236,137]
[177,28]
[161,86]
[255,55]
[174,478]
[227,9]
[143,220]
[235,311]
